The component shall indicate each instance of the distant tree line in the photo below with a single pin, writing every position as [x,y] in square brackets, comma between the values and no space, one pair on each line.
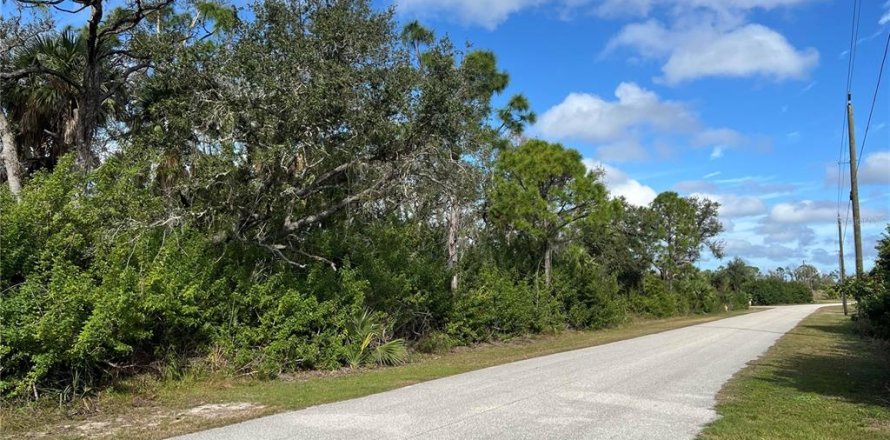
[307,188]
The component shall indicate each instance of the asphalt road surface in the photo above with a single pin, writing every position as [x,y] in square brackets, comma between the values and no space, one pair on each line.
[660,386]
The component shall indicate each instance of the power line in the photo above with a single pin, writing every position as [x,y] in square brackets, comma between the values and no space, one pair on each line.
[851,64]
[854,35]
[873,100]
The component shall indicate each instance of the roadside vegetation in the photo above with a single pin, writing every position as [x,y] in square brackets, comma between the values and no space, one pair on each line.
[820,381]
[146,407]
[872,294]
[300,187]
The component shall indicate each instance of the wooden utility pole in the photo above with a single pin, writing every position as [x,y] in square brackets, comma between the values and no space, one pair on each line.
[854,188]
[840,257]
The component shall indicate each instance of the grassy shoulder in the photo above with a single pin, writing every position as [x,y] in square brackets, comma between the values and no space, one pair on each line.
[819,381]
[144,408]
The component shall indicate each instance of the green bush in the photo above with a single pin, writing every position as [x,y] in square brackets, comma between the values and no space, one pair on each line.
[773,291]
[654,301]
[589,296]
[698,294]
[873,305]
[496,305]
[435,342]
[92,285]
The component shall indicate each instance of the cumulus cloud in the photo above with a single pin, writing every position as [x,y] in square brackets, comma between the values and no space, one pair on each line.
[875,169]
[783,233]
[712,50]
[621,185]
[592,118]
[617,125]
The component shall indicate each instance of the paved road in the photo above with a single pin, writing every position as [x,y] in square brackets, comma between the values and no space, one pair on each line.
[660,386]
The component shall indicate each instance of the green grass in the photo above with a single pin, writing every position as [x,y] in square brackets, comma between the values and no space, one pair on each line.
[820,381]
[145,408]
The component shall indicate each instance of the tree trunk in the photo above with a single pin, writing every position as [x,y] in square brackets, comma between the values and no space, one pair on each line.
[69,135]
[87,117]
[548,263]
[91,94]
[10,158]
[453,232]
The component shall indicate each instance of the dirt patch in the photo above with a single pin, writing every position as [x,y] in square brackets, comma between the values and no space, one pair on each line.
[139,420]
[217,410]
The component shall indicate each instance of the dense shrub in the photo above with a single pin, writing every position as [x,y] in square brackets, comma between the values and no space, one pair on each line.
[772,291]
[87,289]
[496,304]
[873,305]
[589,296]
[872,293]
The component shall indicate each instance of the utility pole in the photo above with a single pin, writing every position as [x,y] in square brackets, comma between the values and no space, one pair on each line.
[840,257]
[854,188]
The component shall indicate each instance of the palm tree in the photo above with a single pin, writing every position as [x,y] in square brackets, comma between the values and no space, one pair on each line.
[415,35]
[43,111]
[43,108]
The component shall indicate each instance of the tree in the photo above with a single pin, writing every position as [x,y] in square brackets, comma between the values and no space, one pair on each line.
[539,190]
[807,274]
[414,34]
[99,62]
[682,228]
[617,237]
[735,275]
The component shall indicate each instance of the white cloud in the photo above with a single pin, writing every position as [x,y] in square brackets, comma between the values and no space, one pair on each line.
[488,13]
[772,251]
[805,211]
[875,169]
[733,206]
[716,153]
[620,185]
[591,118]
[809,211]
[711,49]
[782,233]
[645,7]
[718,137]
[622,151]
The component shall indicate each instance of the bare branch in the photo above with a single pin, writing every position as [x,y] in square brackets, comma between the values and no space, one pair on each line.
[38,69]
[130,21]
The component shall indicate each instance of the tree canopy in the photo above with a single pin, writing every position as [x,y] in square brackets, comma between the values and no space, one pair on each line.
[306,185]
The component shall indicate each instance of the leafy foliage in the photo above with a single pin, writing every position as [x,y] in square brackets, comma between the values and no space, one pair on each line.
[771,291]
[302,190]
[872,293]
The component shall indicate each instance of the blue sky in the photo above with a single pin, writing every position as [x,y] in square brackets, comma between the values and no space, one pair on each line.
[739,100]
